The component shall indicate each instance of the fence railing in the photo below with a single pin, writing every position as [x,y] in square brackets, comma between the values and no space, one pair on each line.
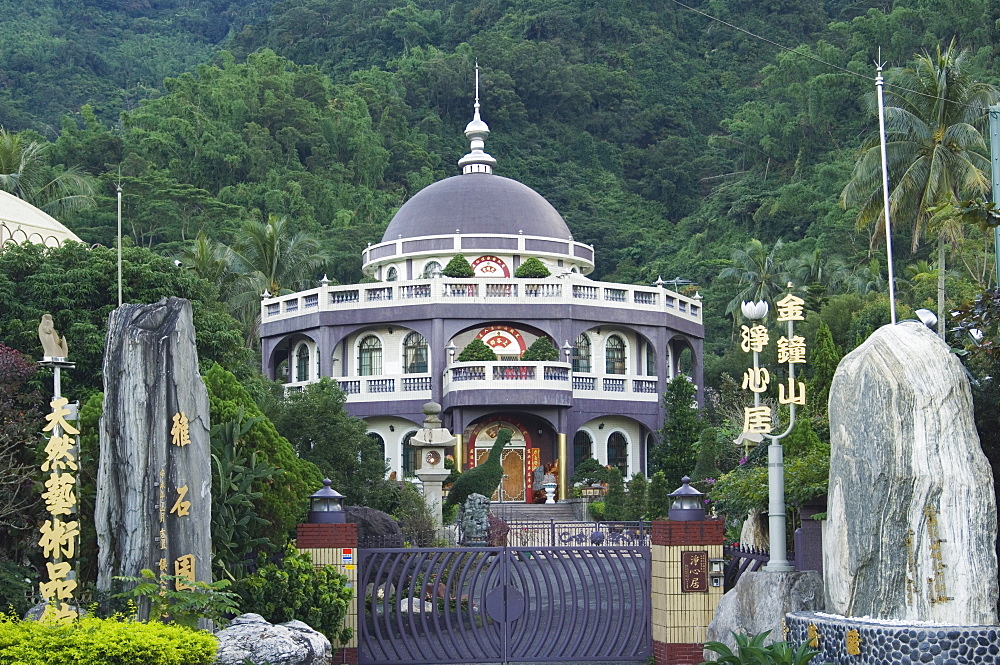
[742,560]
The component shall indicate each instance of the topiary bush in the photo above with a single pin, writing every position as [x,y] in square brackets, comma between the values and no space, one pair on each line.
[458,267]
[295,589]
[541,350]
[477,350]
[93,641]
[589,472]
[532,268]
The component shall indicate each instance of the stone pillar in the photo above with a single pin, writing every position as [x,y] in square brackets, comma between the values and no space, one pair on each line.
[684,598]
[336,545]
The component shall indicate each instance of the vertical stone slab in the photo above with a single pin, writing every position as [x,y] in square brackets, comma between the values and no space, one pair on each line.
[912,517]
[154,479]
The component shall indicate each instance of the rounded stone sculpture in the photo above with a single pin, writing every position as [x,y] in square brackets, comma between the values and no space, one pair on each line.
[249,638]
[912,517]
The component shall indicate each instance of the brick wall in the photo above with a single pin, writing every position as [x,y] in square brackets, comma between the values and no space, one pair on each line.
[702,532]
[312,536]
[345,656]
[677,654]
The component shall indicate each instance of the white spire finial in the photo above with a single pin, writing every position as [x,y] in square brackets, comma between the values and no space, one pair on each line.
[477,161]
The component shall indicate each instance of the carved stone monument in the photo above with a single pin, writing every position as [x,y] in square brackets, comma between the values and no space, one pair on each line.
[154,479]
[430,442]
[912,516]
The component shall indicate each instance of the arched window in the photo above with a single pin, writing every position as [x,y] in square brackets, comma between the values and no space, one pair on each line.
[414,354]
[370,356]
[650,360]
[431,268]
[618,452]
[302,363]
[614,355]
[581,354]
[409,462]
[583,448]
[391,275]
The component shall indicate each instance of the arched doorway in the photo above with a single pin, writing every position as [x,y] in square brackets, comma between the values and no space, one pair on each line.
[516,483]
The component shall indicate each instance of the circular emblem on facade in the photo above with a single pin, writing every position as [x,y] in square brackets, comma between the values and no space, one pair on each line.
[503,340]
[490,266]
[433,457]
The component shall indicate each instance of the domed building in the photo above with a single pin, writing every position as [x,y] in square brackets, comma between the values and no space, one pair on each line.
[394,344]
[21,222]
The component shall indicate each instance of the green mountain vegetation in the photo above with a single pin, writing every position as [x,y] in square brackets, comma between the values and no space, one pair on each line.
[678,145]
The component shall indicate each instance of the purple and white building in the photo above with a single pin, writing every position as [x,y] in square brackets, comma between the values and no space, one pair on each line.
[392,344]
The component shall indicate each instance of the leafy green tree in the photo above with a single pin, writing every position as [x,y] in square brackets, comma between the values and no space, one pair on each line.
[823,360]
[935,112]
[532,268]
[710,449]
[658,505]
[589,472]
[636,500]
[759,273]
[477,350]
[458,267]
[26,173]
[675,455]
[283,503]
[77,285]
[315,423]
[541,350]
[615,503]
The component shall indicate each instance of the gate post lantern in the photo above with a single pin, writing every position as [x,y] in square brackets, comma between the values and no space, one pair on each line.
[430,443]
[332,541]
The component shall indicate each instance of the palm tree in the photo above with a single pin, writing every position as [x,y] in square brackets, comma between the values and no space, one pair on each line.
[25,173]
[760,274]
[270,258]
[935,149]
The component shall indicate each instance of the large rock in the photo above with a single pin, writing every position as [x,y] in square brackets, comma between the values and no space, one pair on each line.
[154,501]
[375,528]
[250,640]
[912,517]
[760,601]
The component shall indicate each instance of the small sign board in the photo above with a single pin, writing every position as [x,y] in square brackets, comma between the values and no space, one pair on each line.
[347,556]
[694,572]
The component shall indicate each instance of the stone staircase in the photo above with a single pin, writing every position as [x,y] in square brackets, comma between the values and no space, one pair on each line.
[562,511]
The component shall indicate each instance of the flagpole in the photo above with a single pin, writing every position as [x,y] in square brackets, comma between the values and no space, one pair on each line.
[879,85]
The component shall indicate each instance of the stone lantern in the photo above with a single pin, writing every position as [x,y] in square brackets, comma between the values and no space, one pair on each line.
[429,444]
[689,503]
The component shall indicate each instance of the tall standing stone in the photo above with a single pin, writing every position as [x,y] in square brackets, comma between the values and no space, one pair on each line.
[912,516]
[154,479]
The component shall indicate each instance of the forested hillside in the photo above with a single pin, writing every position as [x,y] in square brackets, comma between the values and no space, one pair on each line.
[666,139]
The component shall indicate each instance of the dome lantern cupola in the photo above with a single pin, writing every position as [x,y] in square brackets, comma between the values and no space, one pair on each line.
[477,161]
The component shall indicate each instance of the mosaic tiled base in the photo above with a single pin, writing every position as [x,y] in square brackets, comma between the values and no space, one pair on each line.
[893,644]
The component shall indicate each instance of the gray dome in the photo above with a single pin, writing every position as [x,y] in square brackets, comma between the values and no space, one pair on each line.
[477,203]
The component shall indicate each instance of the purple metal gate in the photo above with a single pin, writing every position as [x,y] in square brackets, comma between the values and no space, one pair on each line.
[504,605]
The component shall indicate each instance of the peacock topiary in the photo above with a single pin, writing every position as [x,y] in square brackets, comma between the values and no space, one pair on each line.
[482,479]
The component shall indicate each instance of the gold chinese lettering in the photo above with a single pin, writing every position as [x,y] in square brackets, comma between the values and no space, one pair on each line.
[796,393]
[59,538]
[58,586]
[58,455]
[756,379]
[181,507]
[853,639]
[184,572]
[58,496]
[59,613]
[163,565]
[790,308]
[757,419]
[58,417]
[180,432]
[753,339]
[163,539]
[792,350]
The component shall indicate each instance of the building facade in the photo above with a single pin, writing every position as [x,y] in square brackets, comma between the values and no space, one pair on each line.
[393,344]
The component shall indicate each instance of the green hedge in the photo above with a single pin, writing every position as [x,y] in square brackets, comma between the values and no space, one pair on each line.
[91,641]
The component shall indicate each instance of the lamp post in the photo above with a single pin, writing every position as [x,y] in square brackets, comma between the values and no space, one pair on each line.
[689,503]
[326,506]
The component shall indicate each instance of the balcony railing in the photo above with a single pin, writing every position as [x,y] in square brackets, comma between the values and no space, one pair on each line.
[479,290]
[501,375]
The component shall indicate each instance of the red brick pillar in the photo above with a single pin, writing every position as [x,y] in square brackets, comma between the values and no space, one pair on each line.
[336,545]
[685,594]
